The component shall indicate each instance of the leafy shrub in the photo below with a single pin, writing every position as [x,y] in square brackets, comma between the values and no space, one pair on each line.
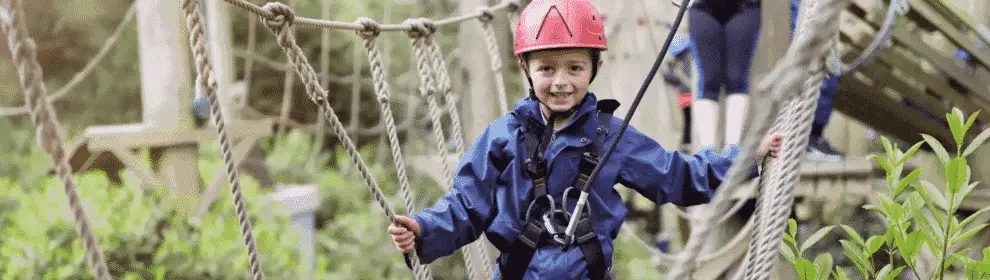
[917,217]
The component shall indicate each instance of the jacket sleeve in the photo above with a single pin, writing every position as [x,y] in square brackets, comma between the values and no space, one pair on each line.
[671,176]
[462,216]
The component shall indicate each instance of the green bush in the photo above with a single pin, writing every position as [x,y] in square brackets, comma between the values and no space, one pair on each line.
[922,216]
[140,236]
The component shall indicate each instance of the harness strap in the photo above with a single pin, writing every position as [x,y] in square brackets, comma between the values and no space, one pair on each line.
[534,233]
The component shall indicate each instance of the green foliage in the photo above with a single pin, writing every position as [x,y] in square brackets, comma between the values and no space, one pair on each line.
[138,236]
[291,158]
[918,213]
[793,252]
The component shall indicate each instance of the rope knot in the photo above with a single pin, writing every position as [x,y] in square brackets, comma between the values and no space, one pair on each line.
[420,27]
[282,14]
[371,28]
[486,14]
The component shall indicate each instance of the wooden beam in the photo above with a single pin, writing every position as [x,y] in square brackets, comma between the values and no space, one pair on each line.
[950,30]
[860,101]
[137,136]
[899,61]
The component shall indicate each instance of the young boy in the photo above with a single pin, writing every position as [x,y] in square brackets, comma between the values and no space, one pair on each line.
[515,182]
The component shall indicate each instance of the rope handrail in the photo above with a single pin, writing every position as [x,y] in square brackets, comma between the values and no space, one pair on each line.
[356,26]
[48,130]
[86,70]
[788,78]
[205,80]
[882,40]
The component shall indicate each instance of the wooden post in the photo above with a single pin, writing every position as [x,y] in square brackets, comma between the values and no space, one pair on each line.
[477,94]
[166,87]
[221,53]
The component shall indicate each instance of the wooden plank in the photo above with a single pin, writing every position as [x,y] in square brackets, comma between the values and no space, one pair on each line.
[944,64]
[898,61]
[132,136]
[139,167]
[859,101]
[945,26]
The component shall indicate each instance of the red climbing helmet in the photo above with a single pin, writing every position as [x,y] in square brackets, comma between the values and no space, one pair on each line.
[550,24]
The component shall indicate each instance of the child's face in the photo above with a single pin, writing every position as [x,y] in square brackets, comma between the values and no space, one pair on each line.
[561,77]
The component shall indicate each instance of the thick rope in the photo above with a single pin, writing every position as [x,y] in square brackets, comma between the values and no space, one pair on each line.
[86,70]
[494,57]
[882,41]
[24,53]
[355,26]
[428,87]
[318,95]
[382,91]
[443,85]
[788,77]
[205,80]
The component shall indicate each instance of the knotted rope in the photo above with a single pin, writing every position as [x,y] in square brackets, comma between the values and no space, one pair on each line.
[486,18]
[47,128]
[793,73]
[205,80]
[286,40]
[370,36]
[357,26]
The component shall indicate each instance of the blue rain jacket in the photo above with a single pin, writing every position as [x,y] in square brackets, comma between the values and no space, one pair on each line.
[490,192]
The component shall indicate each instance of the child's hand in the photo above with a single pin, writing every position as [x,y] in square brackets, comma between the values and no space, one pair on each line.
[771,145]
[404,231]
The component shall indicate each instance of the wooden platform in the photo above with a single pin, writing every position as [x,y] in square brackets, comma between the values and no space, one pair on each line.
[918,68]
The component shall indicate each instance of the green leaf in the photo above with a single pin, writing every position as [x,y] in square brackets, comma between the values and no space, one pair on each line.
[856,256]
[882,274]
[854,235]
[963,193]
[805,269]
[814,238]
[823,265]
[937,147]
[874,243]
[888,148]
[934,195]
[788,254]
[893,274]
[840,274]
[908,180]
[882,161]
[959,238]
[910,153]
[955,173]
[956,125]
[790,240]
[977,142]
[972,217]
[961,255]
[971,120]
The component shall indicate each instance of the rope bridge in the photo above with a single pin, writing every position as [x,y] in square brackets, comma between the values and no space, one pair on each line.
[809,48]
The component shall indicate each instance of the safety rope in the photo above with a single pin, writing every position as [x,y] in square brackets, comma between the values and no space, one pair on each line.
[793,73]
[47,128]
[882,41]
[444,84]
[86,70]
[278,24]
[355,26]
[494,57]
[205,80]
[381,89]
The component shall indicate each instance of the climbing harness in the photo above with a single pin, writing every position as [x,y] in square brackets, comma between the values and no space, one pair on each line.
[48,131]
[545,220]
[583,199]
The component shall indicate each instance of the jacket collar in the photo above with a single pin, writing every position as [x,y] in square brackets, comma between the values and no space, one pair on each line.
[528,111]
